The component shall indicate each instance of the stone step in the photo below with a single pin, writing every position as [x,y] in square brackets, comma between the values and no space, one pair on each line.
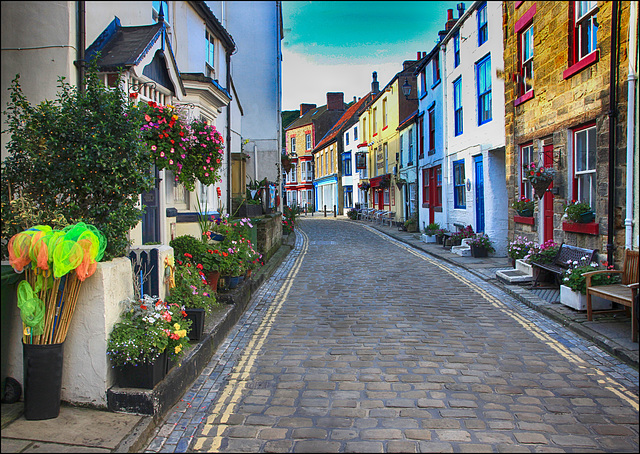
[513,276]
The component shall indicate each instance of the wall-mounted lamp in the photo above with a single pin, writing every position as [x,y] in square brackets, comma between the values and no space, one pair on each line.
[406,91]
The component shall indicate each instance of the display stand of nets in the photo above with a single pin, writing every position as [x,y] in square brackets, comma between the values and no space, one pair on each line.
[55,263]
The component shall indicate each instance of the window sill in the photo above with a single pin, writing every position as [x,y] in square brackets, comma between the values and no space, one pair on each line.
[524,98]
[385,127]
[589,228]
[524,219]
[587,61]
[375,134]
[435,84]
[431,152]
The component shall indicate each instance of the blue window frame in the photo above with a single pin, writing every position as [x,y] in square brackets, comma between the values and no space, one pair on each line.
[347,138]
[457,106]
[483,28]
[355,133]
[348,196]
[346,163]
[459,189]
[483,86]
[456,49]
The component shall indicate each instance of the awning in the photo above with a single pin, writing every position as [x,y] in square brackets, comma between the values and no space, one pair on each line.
[375,181]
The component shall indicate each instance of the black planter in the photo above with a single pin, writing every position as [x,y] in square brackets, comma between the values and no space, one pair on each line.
[526,213]
[439,239]
[479,251]
[42,368]
[197,323]
[144,376]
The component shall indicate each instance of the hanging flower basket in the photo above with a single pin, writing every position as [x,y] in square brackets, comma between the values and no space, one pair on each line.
[540,178]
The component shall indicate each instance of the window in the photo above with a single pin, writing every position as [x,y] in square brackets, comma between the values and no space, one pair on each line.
[386,158]
[483,29]
[308,140]
[332,154]
[456,49]
[402,137]
[436,68]
[293,145]
[483,78]
[421,137]
[294,170]
[384,113]
[303,171]
[423,82]
[209,59]
[410,153]
[586,28]
[355,133]
[526,158]
[346,163]
[526,60]
[425,187]
[459,189]
[386,197]
[375,121]
[432,130]
[346,138]
[348,196]
[457,106]
[309,170]
[584,178]
[432,187]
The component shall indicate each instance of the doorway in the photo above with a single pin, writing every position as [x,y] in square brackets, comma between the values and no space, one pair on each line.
[547,201]
[479,175]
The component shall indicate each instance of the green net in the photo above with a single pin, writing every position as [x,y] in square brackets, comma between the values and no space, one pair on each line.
[66,257]
[101,240]
[31,308]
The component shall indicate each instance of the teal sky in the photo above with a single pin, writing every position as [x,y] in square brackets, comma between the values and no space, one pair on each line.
[335,46]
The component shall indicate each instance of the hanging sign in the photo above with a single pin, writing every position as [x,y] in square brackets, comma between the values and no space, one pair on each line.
[361,160]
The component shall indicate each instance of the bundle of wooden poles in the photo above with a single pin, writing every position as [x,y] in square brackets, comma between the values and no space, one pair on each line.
[55,264]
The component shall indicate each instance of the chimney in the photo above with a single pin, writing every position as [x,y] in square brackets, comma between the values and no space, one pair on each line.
[304,108]
[419,56]
[460,7]
[450,20]
[335,101]
[375,86]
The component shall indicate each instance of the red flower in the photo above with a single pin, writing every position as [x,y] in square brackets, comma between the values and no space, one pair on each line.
[133,95]
[181,134]
[184,314]
[143,307]
[152,104]
[224,254]
[179,262]
[199,266]
[186,254]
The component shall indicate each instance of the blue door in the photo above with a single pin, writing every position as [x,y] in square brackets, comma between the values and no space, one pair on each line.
[479,193]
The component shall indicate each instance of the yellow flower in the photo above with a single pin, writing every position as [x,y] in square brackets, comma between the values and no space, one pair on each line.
[170,106]
[182,333]
[174,117]
[176,326]
[178,349]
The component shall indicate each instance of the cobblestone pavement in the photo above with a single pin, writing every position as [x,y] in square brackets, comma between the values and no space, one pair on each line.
[359,343]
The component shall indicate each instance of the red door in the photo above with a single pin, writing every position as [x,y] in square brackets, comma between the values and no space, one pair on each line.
[547,201]
[433,194]
[381,199]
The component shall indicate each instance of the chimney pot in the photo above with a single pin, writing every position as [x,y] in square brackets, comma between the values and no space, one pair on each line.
[335,101]
[449,14]
[304,108]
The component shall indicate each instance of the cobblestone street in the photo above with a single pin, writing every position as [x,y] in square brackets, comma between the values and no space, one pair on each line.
[401,353]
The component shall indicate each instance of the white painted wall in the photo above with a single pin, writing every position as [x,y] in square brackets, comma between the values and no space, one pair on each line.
[477,139]
[351,148]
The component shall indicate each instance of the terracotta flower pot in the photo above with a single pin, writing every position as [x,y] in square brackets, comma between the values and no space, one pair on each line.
[212,279]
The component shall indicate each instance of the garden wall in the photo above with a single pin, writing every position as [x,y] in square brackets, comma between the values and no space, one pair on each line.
[87,373]
[269,235]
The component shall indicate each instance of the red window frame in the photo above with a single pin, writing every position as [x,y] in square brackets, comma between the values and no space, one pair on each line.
[574,178]
[432,187]
[432,128]
[425,188]
[421,136]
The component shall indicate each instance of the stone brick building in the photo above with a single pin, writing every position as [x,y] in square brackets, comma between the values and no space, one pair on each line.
[559,91]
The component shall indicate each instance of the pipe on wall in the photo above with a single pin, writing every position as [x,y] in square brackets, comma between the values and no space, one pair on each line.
[82,38]
[613,86]
[631,109]
[229,164]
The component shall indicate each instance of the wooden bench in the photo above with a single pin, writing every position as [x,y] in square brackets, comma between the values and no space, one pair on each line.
[625,293]
[560,263]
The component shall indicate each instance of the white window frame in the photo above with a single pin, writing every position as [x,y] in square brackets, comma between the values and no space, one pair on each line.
[586,20]
[585,174]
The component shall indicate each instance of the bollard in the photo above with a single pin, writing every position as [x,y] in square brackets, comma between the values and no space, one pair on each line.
[334,211]
[325,211]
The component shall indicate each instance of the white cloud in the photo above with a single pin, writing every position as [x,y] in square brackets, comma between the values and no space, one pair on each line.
[306,81]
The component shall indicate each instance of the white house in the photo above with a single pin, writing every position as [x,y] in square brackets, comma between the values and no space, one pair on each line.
[474,165]
[407,166]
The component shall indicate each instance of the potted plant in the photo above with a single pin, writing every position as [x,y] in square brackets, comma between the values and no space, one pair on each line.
[138,342]
[542,253]
[540,177]
[430,232]
[352,214]
[573,290]
[518,249]
[481,245]
[457,237]
[440,233]
[411,224]
[192,292]
[524,207]
[579,212]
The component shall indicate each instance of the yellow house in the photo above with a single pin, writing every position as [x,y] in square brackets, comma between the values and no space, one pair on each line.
[379,126]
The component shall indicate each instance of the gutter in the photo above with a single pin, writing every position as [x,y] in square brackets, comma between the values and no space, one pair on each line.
[82,39]
[631,109]
[229,189]
[613,56]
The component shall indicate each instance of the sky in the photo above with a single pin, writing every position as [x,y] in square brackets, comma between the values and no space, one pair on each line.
[334,46]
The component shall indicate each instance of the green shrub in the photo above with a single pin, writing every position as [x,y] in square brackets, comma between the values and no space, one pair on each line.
[81,153]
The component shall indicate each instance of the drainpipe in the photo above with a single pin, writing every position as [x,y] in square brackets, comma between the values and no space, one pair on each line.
[229,190]
[631,110]
[612,131]
[82,38]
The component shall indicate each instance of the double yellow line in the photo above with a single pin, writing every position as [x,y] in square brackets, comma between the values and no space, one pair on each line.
[231,395]
[603,379]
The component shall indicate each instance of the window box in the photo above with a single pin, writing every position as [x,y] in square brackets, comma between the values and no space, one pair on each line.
[590,228]
[530,220]
[578,301]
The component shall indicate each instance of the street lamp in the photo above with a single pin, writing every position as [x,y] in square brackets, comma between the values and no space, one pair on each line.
[406,91]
